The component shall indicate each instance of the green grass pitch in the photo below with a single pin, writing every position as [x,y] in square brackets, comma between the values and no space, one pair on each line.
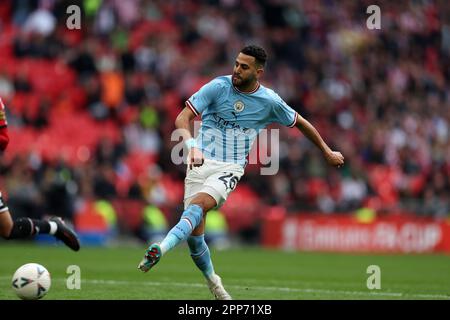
[248,273]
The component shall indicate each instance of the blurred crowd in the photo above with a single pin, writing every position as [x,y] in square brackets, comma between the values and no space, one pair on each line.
[381,97]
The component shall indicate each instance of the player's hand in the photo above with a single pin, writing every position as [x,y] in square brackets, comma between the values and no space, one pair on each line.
[335,159]
[195,158]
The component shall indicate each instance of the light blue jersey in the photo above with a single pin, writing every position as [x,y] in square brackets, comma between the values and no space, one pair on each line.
[231,119]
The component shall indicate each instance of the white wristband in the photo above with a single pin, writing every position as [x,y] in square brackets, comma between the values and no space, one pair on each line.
[191,143]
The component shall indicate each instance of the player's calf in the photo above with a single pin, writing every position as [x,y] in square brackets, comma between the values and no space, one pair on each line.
[22,228]
[200,255]
[189,220]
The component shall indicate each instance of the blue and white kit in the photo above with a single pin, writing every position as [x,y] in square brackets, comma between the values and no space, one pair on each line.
[231,121]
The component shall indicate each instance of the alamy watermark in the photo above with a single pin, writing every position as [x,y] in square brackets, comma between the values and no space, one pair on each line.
[74,19]
[229,145]
[73,281]
[374,20]
[374,280]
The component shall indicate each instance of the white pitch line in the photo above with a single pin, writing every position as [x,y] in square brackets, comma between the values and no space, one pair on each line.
[259,288]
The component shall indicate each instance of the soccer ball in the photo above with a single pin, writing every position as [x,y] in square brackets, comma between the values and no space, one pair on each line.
[31,281]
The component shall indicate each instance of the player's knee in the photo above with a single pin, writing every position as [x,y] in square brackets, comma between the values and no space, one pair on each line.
[5,229]
[199,204]
[204,201]
[194,213]
[195,242]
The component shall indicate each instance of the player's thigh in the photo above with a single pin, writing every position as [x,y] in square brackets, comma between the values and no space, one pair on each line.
[6,223]
[221,184]
[193,184]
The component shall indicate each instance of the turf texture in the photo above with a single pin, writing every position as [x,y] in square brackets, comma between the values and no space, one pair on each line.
[248,273]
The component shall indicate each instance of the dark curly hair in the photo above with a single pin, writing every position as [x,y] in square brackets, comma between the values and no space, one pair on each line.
[257,52]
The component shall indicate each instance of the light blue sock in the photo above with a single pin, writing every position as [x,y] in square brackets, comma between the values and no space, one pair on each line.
[201,255]
[189,220]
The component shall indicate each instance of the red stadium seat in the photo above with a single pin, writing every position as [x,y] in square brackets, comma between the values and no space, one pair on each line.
[138,162]
[316,186]
[88,220]
[382,179]
[129,212]
[174,189]
[242,208]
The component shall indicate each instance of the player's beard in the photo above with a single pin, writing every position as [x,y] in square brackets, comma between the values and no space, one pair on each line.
[243,84]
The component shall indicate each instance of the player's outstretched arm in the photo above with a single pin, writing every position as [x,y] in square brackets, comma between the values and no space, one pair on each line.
[183,123]
[334,158]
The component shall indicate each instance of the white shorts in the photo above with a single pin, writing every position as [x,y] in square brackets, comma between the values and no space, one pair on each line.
[216,178]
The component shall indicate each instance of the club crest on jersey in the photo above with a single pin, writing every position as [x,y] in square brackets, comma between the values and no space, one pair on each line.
[239,106]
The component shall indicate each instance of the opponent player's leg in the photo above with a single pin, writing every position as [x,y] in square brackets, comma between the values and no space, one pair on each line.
[6,224]
[25,227]
[190,219]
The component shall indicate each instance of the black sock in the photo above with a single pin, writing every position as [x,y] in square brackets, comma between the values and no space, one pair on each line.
[26,227]
[41,226]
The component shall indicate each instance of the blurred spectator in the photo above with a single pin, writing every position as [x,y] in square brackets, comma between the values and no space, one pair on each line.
[41,21]
[21,83]
[6,87]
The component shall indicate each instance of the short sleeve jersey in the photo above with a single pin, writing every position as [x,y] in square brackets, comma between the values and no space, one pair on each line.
[231,119]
